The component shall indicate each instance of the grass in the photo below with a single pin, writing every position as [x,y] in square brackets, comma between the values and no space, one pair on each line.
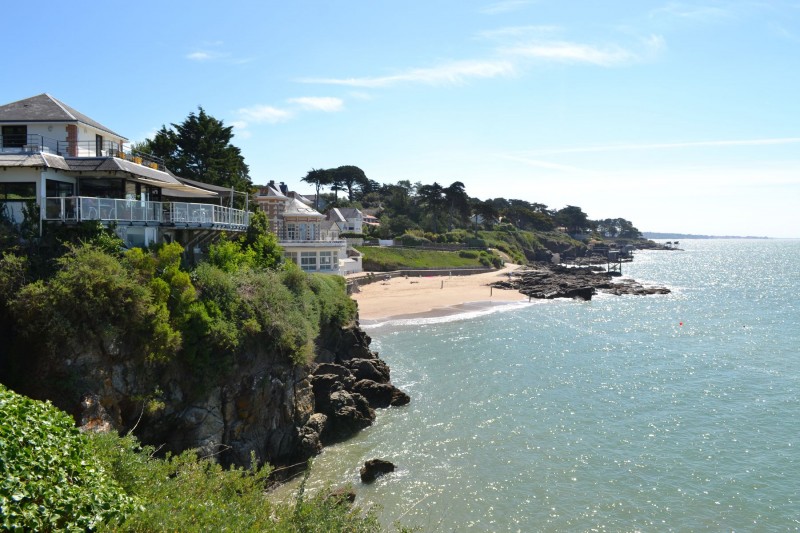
[384,259]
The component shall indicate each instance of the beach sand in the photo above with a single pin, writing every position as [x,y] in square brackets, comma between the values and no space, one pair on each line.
[434,295]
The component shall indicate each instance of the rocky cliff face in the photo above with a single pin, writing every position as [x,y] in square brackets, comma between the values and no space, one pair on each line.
[281,412]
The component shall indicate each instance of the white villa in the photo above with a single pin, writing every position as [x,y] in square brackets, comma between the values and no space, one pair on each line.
[303,233]
[76,170]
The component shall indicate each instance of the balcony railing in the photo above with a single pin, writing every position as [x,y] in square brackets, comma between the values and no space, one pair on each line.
[22,143]
[81,208]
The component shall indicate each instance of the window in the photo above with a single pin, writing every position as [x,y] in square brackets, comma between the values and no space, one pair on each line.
[325,261]
[102,187]
[15,136]
[308,260]
[55,189]
[17,192]
[290,256]
[291,231]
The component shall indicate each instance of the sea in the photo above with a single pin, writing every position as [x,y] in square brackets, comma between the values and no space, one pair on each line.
[677,412]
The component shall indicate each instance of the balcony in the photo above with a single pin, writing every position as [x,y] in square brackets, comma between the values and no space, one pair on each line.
[137,212]
[22,144]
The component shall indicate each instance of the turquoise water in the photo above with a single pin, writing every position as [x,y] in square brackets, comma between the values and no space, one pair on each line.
[677,412]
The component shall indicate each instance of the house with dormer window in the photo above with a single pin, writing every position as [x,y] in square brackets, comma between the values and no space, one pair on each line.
[305,236]
[75,169]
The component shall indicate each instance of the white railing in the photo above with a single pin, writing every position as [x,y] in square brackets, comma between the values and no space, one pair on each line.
[80,208]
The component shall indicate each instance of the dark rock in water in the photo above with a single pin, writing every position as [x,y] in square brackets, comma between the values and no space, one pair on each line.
[547,281]
[400,398]
[374,468]
[372,369]
[377,394]
[347,415]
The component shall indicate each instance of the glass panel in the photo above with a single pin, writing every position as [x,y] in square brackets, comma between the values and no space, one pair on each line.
[15,136]
[102,187]
[54,189]
[18,191]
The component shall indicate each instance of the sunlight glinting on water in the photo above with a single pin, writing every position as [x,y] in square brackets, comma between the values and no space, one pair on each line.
[624,413]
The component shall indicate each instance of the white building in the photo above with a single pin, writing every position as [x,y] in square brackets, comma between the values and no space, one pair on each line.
[302,231]
[75,170]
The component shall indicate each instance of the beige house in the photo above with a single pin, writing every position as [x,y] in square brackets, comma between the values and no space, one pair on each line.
[303,233]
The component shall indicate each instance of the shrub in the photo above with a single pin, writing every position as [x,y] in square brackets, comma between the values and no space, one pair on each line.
[48,478]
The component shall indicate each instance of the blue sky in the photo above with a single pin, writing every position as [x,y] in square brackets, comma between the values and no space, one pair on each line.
[679,116]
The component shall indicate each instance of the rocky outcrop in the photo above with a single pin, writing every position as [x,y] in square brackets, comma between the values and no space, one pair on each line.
[375,468]
[348,391]
[255,402]
[547,282]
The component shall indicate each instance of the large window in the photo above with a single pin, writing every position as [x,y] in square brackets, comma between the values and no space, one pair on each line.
[55,189]
[308,260]
[102,187]
[291,232]
[17,191]
[15,136]
[326,260]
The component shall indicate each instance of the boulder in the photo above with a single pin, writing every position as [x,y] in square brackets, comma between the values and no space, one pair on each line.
[374,468]
[372,369]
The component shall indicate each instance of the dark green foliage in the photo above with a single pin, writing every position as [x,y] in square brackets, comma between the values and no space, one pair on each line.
[49,480]
[94,301]
[200,148]
[54,478]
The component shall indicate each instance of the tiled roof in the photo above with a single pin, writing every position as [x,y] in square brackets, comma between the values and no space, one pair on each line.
[298,208]
[45,108]
[33,160]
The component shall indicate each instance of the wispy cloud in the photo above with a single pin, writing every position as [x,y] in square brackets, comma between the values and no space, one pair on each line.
[202,55]
[518,31]
[668,146]
[447,74]
[694,12]
[264,113]
[568,52]
[505,6]
[328,104]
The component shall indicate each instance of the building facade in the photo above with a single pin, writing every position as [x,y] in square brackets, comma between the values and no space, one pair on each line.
[74,169]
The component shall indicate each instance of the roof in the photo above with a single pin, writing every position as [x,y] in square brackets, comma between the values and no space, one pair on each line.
[150,176]
[45,108]
[202,185]
[335,215]
[269,192]
[33,160]
[297,208]
[349,213]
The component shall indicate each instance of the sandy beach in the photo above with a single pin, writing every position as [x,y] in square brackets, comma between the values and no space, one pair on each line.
[402,297]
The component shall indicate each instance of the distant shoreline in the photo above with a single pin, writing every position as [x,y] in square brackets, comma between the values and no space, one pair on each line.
[654,235]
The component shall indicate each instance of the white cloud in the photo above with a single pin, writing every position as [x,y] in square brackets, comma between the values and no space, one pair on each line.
[328,104]
[240,129]
[569,52]
[201,56]
[541,164]
[264,113]
[451,73]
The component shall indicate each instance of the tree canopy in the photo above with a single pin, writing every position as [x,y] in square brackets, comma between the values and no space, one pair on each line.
[199,148]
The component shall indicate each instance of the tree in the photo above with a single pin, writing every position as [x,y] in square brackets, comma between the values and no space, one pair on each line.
[457,203]
[351,177]
[200,148]
[319,178]
[573,218]
[431,197]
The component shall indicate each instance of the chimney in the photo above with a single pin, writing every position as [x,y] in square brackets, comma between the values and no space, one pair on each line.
[271,184]
[284,189]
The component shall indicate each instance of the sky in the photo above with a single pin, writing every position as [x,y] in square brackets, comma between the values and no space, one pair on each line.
[678,116]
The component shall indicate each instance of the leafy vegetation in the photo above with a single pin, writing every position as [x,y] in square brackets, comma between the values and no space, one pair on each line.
[54,478]
[49,479]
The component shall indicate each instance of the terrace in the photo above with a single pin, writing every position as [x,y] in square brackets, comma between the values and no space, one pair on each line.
[29,143]
[146,213]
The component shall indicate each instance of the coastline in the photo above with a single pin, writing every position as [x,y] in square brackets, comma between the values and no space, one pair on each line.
[433,296]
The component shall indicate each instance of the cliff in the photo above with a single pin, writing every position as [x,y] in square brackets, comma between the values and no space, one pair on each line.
[229,363]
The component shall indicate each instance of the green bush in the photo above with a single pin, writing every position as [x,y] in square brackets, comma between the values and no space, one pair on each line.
[49,481]
[471,254]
